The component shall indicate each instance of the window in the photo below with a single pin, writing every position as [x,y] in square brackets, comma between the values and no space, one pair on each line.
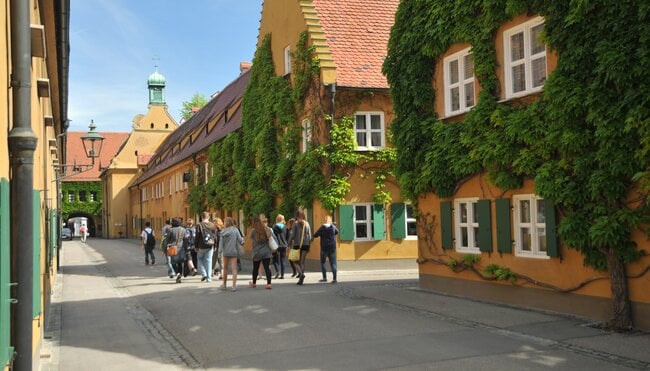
[306,135]
[369,130]
[206,173]
[411,223]
[363,222]
[525,58]
[92,196]
[530,226]
[287,60]
[82,196]
[466,215]
[71,197]
[170,186]
[459,83]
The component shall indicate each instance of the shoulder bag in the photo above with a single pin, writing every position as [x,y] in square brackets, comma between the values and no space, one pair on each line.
[294,254]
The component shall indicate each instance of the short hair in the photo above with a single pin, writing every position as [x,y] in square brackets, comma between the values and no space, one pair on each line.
[176,222]
[147,224]
[167,221]
[279,218]
[205,215]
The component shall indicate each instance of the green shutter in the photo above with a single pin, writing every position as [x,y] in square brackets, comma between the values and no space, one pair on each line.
[398,220]
[346,220]
[551,232]
[446,225]
[484,225]
[6,350]
[504,238]
[379,227]
[36,262]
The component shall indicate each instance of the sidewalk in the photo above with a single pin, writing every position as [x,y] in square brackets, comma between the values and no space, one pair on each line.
[156,348]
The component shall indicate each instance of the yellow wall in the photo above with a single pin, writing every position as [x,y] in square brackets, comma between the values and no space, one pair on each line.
[284,21]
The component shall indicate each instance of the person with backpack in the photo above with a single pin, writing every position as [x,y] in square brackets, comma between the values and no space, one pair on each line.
[327,233]
[148,243]
[175,242]
[206,241]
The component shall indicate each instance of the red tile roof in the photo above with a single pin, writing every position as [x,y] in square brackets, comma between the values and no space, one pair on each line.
[357,34]
[75,154]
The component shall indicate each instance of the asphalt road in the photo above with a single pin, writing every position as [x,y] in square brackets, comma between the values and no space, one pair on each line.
[111,312]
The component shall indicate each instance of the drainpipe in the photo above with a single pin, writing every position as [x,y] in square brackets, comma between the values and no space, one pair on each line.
[22,144]
[332,87]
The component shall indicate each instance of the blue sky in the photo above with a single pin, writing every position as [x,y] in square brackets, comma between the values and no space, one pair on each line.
[113,43]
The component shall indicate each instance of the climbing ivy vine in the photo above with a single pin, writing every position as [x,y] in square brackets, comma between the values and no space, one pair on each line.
[585,140]
[78,206]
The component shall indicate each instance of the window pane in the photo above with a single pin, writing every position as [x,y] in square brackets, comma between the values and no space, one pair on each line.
[525,239]
[362,230]
[541,239]
[536,46]
[360,213]
[474,212]
[409,212]
[375,122]
[453,72]
[361,122]
[475,242]
[411,229]
[539,71]
[468,65]
[469,95]
[361,139]
[541,212]
[463,237]
[517,46]
[463,213]
[524,211]
[455,99]
[375,139]
[518,78]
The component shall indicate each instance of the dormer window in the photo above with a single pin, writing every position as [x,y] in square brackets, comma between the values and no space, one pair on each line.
[525,58]
[459,83]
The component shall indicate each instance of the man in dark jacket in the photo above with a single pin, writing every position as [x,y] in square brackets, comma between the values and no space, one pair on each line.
[327,233]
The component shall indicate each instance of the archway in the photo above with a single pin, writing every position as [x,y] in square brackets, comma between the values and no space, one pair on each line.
[90,219]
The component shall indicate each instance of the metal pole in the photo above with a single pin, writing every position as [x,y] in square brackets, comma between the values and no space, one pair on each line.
[22,144]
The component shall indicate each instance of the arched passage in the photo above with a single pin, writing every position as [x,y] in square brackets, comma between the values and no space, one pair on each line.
[90,219]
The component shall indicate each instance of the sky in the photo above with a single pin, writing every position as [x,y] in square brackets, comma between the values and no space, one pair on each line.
[116,44]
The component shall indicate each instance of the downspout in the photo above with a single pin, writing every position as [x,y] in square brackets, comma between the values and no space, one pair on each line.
[22,144]
[332,87]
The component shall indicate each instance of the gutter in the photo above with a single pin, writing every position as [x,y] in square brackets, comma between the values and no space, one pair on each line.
[22,144]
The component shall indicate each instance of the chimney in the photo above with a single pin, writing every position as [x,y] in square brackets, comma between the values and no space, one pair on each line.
[244,66]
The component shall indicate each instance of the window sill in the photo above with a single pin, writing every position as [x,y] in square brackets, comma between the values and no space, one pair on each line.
[411,238]
[540,256]
[456,114]
[468,251]
[522,94]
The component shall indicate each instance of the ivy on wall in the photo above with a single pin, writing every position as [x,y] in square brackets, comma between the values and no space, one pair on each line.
[585,139]
[260,168]
[77,206]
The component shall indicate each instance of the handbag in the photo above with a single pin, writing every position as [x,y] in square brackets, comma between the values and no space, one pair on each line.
[240,250]
[273,243]
[172,250]
[294,255]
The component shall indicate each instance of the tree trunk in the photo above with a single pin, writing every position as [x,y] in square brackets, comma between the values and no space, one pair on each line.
[622,316]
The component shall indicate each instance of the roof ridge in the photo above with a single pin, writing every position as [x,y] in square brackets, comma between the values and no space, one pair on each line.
[318,39]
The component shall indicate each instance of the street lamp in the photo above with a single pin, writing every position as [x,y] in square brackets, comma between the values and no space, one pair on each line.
[92,142]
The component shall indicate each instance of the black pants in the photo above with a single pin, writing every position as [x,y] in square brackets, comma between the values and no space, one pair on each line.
[148,251]
[256,267]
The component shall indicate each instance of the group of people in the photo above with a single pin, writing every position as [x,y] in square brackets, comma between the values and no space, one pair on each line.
[217,246]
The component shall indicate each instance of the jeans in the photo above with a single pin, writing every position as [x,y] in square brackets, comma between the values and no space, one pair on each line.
[331,255]
[148,251]
[170,267]
[281,254]
[204,260]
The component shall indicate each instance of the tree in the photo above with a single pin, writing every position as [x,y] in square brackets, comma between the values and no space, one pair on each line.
[198,100]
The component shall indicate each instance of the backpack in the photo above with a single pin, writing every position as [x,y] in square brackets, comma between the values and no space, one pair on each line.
[207,237]
[151,240]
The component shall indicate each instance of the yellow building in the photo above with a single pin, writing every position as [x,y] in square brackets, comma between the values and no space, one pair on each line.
[348,40]
[149,131]
[502,243]
[34,112]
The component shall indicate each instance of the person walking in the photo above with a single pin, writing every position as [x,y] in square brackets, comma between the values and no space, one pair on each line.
[230,247]
[175,237]
[300,238]
[282,235]
[83,231]
[163,247]
[216,255]
[292,263]
[260,236]
[327,234]
[148,243]
[190,248]
[205,243]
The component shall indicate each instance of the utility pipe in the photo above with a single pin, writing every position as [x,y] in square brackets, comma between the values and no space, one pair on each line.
[22,144]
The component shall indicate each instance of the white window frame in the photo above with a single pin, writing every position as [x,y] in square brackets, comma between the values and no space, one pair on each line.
[205,180]
[460,84]
[91,197]
[471,224]
[368,131]
[408,220]
[306,135]
[368,222]
[534,226]
[287,60]
[72,197]
[526,61]
[170,186]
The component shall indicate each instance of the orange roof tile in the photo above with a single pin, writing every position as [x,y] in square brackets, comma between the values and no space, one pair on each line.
[75,154]
[357,33]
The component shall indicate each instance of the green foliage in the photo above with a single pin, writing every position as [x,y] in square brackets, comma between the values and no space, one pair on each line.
[500,273]
[471,259]
[453,263]
[87,207]
[198,100]
[196,193]
[585,140]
